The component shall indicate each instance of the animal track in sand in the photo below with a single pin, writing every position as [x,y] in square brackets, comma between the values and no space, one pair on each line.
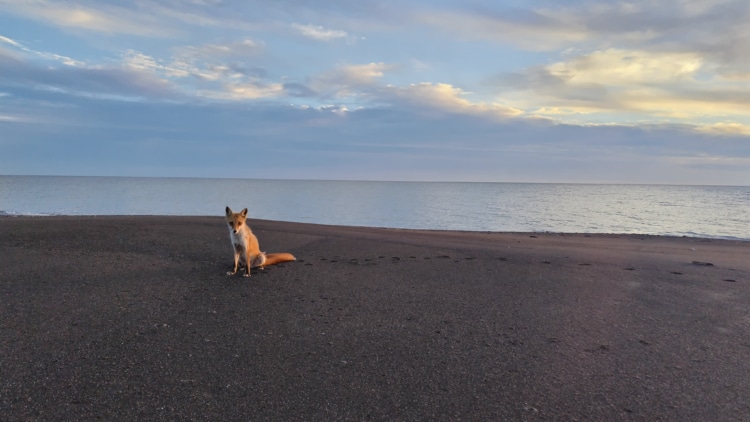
[393,259]
[703,264]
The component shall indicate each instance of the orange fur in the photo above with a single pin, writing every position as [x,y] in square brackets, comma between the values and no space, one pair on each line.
[246,246]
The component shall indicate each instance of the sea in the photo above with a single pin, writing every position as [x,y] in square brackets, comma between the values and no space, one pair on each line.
[692,211]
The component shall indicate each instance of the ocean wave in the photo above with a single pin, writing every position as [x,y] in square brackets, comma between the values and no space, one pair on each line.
[4,213]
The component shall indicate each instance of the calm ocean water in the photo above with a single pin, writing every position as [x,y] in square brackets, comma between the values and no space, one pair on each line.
[699,211]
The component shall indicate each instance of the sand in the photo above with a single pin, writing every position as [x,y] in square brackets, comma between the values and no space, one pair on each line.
[134,318]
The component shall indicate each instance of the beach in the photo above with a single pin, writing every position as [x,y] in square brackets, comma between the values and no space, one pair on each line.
[134,318]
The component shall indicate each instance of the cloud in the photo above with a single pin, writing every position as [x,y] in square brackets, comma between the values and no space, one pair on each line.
[38,54]
[366,81]
[350,80]
[447,98]
[126,83]
[217,62]
[195,72]
[7,40]
[143,19]
[398,142]
[295,89]
[403,131]
[319,33]
[667,85]
[236,49]
[109,19]
[216,71]
[355,75]
[668,24]
[207,77]
[622,67]
[725,128]
[246,91]
[712,32]
[140,62]
[203,72]
[13,118]
[540,29]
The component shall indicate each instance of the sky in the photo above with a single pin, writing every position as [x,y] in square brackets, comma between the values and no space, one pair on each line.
[638,91]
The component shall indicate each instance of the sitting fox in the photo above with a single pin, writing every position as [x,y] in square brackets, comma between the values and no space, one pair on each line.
[246,247]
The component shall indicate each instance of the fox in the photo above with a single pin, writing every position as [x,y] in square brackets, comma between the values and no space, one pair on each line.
[246,247]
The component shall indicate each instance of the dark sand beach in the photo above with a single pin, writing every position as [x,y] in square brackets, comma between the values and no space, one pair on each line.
[134,318]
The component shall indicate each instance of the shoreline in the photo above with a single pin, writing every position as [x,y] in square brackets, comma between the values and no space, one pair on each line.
[134,317]
[585,234]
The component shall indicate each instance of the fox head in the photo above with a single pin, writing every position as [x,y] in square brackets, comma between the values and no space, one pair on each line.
[235,220]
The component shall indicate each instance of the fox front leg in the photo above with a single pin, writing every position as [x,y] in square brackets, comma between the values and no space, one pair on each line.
[236,262]
[248,261]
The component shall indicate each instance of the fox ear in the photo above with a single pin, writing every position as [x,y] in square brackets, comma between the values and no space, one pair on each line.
[228,211]
[244,212]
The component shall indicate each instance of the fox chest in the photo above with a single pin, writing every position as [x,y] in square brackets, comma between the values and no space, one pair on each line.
[238,242]
[243,241]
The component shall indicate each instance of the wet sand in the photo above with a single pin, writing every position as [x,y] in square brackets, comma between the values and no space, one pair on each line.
[134,318]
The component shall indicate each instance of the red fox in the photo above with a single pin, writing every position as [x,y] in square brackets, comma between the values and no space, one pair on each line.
[246,247]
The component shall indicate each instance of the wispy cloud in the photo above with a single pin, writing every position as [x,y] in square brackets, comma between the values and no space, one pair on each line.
[235,49]
[13,118]
[96,17]
[320,33]
[7,40]
[40,54]
[78,79]
[725,128]
[245,91]
[448,98]
[345,79]
[539,29]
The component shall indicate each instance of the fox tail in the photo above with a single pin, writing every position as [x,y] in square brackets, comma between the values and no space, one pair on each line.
[277,258]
